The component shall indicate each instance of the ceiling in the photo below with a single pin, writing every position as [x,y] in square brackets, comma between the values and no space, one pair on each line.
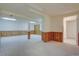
[34,10]
[53,9]
[19,9]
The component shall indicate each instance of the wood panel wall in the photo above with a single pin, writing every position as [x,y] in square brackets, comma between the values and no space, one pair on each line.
[52,36]
[46,36]
[12,33]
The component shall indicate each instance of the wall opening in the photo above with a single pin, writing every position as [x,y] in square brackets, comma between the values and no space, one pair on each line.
[70,30]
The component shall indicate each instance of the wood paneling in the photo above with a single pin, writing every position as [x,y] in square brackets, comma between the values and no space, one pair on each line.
[52,36]
[13,33]
[34,32]
[58,36]
[46,36]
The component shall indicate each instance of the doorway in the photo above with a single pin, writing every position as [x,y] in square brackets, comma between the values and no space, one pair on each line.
[70,30]
[35,31]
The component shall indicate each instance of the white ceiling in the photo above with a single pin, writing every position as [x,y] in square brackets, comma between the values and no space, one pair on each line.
[53,9]
[21,9]
[30,9]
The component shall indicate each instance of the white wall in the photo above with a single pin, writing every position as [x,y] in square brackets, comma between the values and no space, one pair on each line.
[70,26]
[78,24]
[71,29]
[46,26]
[31,27]
[57,24]
[78,29]
[53,24]
[13,25]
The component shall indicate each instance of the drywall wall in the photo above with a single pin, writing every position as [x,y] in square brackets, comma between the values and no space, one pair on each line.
[78,24]
[57,24]
[13,25]
[46,23]
[70,26]
[32,27]
[71,29]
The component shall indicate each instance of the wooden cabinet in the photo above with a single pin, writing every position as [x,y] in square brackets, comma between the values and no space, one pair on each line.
[52,36]
[58,36]
[46,36]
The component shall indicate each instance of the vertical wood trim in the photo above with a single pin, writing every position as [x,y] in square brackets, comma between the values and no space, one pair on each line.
[29,35]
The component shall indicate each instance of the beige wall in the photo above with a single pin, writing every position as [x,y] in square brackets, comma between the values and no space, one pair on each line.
[46,23]
[57,24]
[78,24]
[53,24]
[71,29]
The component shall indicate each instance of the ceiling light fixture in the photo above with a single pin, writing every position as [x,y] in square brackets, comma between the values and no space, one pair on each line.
[11,19]
[32,22]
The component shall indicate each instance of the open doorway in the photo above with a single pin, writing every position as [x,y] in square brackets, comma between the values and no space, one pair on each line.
[35,31]
[70,30]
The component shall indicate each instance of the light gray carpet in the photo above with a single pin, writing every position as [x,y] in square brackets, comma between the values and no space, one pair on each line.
[21,46]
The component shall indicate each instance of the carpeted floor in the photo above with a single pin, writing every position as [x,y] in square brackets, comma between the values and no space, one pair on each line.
[21,46]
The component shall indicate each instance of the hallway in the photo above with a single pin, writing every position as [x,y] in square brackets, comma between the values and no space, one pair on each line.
[21,46]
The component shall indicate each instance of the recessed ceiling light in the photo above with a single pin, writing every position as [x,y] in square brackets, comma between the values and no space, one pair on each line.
[32,22]
[11,19]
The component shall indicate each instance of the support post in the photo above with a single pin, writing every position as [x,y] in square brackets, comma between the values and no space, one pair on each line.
[28,30]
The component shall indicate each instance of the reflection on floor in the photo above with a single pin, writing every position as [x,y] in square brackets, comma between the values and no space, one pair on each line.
[70,41]
[21,46]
